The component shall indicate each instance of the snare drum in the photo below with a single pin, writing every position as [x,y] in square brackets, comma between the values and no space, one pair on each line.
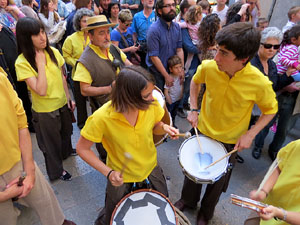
[157,94]
[247,203]
[144,206]
[188,157]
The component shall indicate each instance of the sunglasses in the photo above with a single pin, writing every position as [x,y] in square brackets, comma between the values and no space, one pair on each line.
[127,24]
[268,46]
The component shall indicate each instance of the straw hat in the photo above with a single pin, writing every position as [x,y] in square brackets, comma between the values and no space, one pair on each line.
[97,21]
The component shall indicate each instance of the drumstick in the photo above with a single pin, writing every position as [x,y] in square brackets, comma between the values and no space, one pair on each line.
[228,154]
[198,139]
[184,135]
[268,174]
[128,157]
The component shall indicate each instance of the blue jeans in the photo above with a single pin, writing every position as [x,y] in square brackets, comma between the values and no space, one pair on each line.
[260,137]
[286,104]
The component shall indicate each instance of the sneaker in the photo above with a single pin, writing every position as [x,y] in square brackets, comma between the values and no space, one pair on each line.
[65,176]
[73,153]
[239,159]
[181,113]
[256,152]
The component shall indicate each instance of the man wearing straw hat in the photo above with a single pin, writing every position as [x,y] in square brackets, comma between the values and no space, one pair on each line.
[233,86]
[98,65]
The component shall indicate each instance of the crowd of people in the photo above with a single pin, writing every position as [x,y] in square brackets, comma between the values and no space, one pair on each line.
[216,65]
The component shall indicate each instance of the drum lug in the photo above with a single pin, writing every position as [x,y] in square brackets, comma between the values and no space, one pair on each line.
[230,166]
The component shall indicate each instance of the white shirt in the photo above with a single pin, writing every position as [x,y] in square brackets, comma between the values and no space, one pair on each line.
[221,14]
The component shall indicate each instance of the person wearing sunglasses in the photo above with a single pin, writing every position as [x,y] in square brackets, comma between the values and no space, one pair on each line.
[122,35]
[271,38]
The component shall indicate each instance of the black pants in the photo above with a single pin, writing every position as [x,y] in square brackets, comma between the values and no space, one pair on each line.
[191,191]
[80,105]
[53,133]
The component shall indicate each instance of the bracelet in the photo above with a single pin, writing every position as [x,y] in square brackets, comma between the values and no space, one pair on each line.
[263,190]
[195,110]
[107,176]
[284,215]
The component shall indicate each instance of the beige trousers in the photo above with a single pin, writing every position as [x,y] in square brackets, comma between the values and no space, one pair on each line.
[41,198]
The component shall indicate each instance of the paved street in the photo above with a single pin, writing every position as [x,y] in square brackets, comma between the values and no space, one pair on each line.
[82,198]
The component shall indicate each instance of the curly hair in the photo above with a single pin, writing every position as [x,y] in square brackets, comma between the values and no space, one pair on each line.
[207,31]
[191,15]
[78,16]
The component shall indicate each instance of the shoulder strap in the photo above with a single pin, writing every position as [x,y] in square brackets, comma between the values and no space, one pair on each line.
[116,54]
[123,38]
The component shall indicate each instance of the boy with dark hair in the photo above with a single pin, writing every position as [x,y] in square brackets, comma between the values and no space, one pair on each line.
[174,93]
[233,86]
[294,18]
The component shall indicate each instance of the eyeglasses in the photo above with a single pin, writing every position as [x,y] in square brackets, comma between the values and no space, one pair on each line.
[127,24]
[169,5]
[268,46]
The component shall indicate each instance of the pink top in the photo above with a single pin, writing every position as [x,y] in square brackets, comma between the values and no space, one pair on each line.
[288,57]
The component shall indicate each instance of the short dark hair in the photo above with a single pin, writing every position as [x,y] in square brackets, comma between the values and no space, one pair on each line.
[261,21]
[126,93]
[242,38]
[233,10]
[159,5]
[184,5]
[110,5]
[174,60]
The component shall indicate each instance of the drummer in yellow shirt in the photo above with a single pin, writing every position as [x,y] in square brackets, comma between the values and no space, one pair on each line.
[233,86]
[72,50]
[126,125]
[281,191]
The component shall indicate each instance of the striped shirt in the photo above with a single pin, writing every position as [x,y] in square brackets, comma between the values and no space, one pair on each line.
[288,56]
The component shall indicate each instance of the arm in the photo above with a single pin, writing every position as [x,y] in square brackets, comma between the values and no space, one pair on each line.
[161,128]
[289,57]
[28,163]
[246,139]
[168,98]
[88,90]
[270,212]
[134,6]
[179,52]
[160,67]
[128,49]
[71,104]
[83,149]
[67,51]
[194,92]
[187,42]
[39,84]
[10,192]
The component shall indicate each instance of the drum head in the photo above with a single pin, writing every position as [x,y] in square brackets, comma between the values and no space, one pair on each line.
[189,160]
[145,207]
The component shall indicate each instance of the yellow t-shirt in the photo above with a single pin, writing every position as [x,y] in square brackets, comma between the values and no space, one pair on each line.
[56,96]
[118,136]
[74,46]
[286,191]
[83,75]
[227,103]
[13,118]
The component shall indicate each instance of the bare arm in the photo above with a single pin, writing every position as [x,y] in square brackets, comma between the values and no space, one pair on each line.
[128,49]
[161,128]
[246,139]
[88,90]
[83,149]
[194,92]
[39,84]
[168,98]
[160,67]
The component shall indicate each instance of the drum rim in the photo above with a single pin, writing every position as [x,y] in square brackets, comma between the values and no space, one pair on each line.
[143,190]
[195,179]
